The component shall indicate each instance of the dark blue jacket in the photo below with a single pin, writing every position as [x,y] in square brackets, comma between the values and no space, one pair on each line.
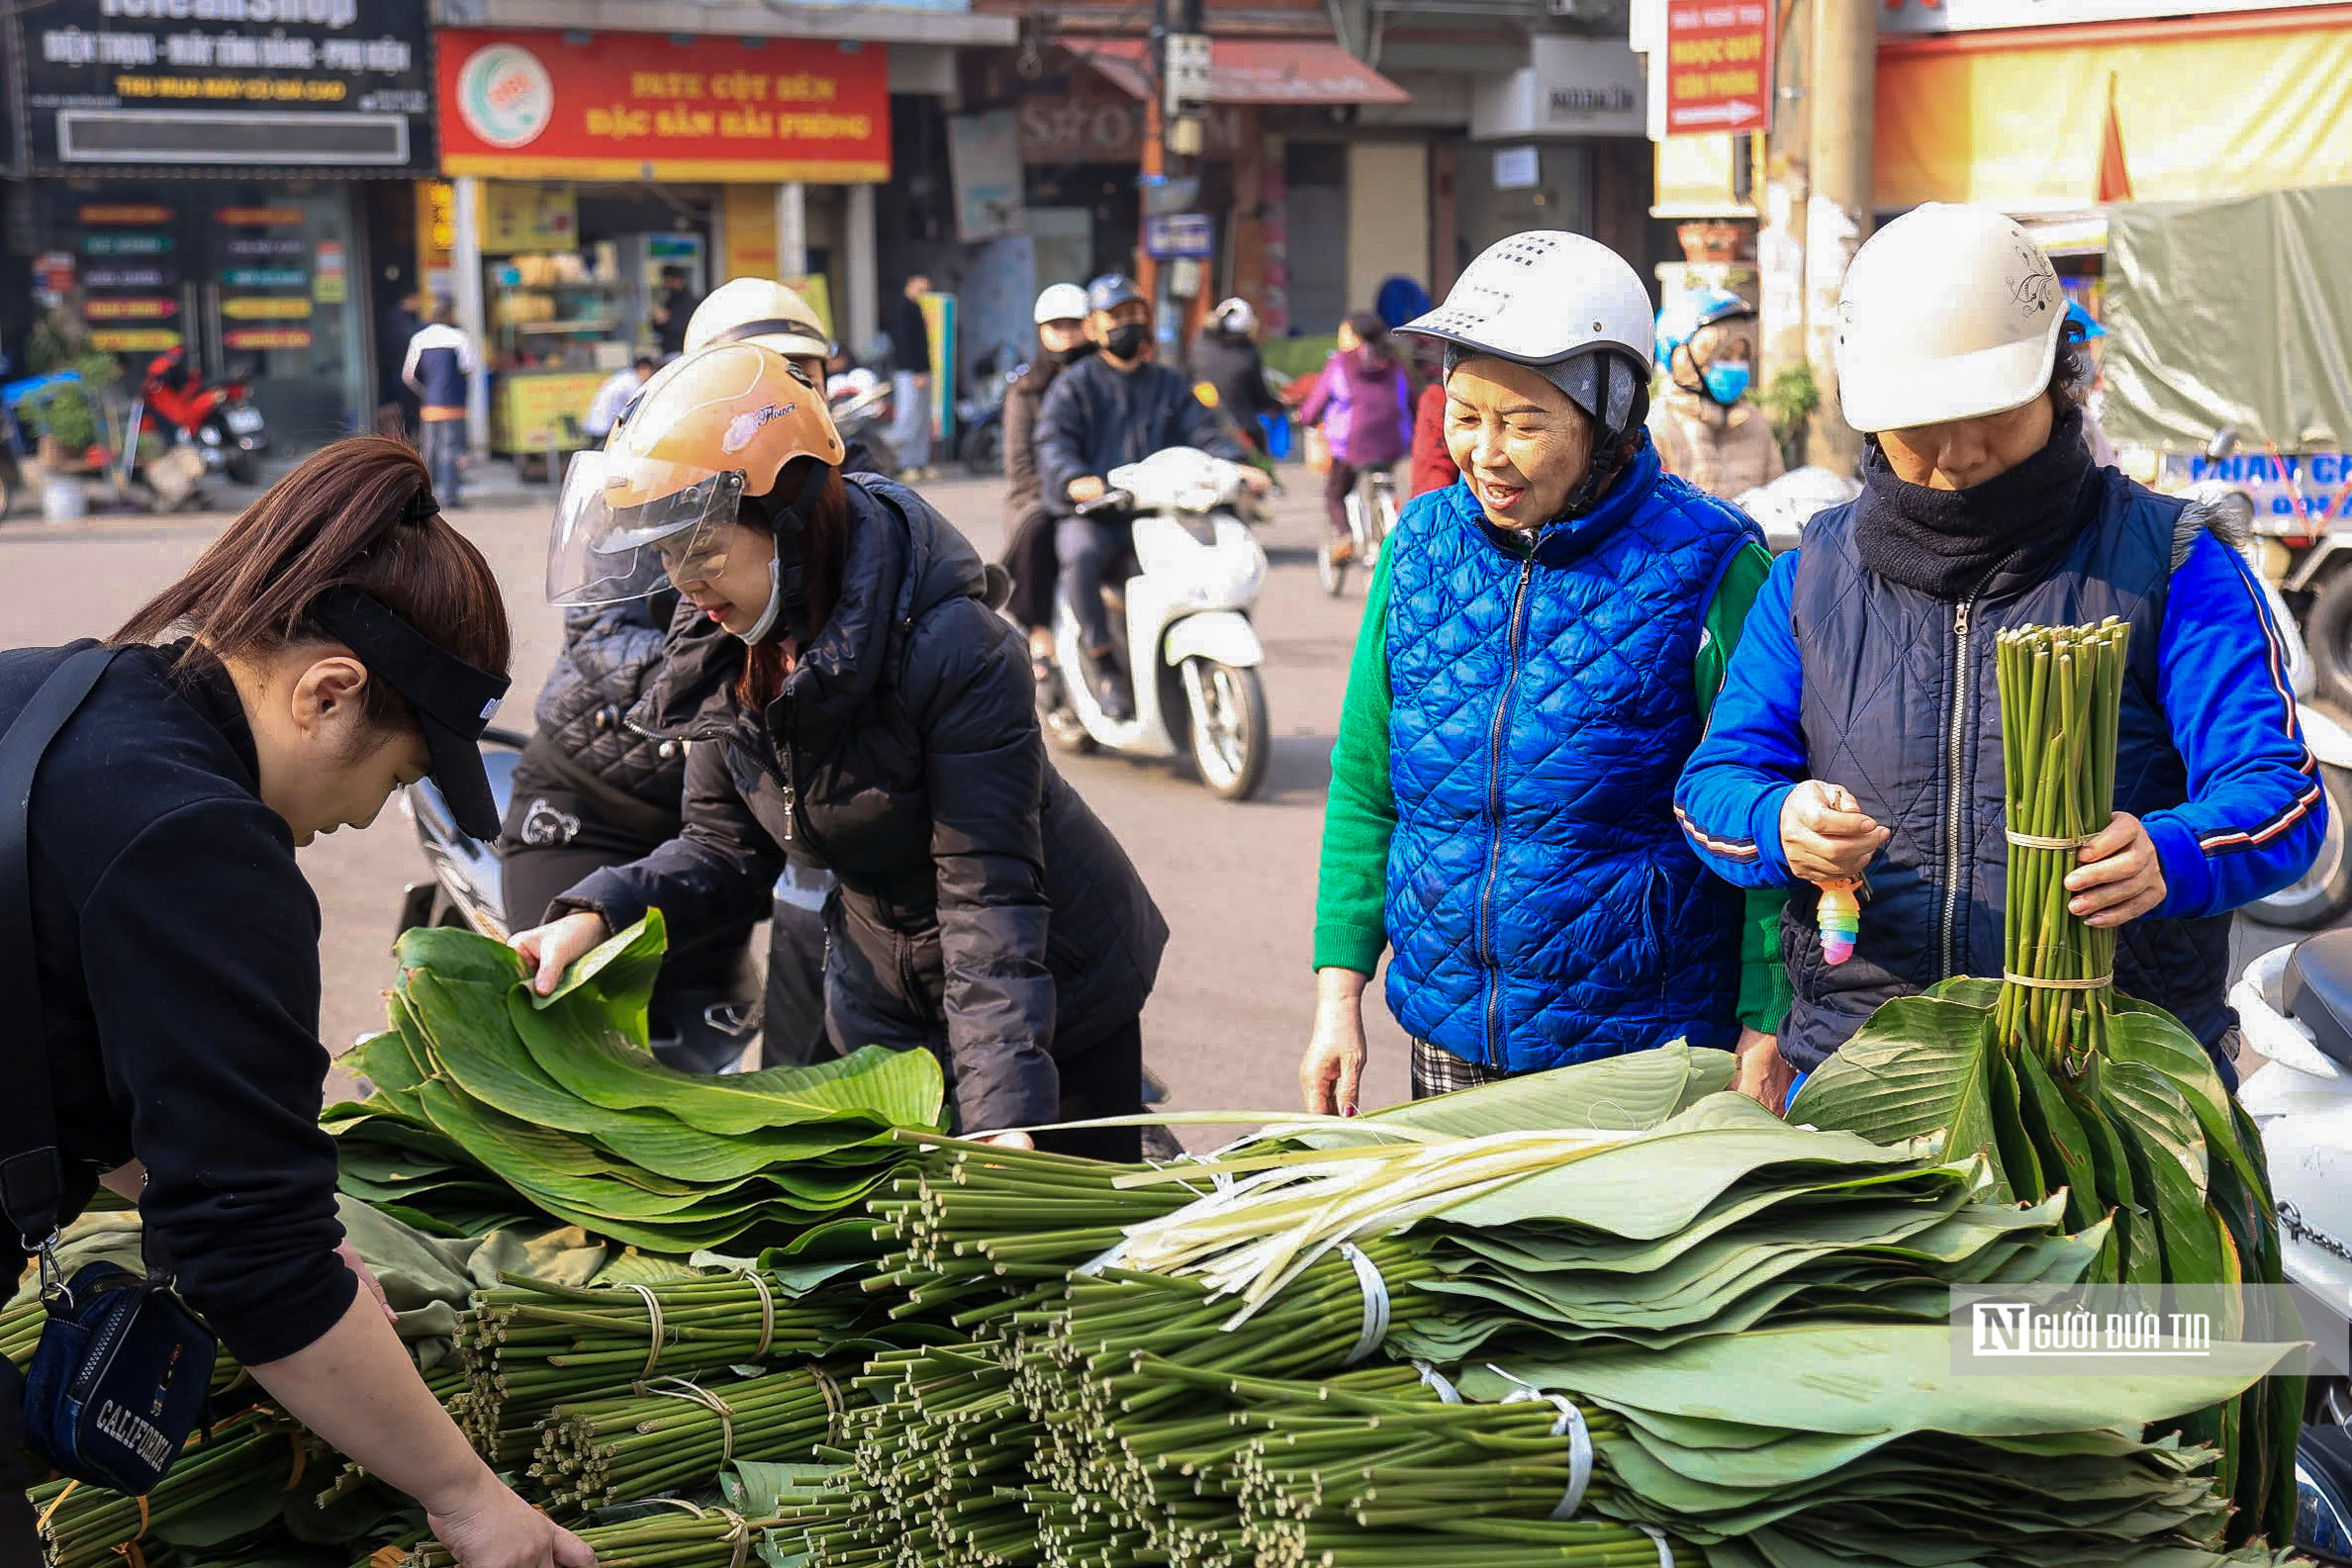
[1098,417]
[1845,676]
[1544,907]
[440,364]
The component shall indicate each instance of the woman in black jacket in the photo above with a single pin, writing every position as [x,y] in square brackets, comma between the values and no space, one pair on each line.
[337,641]
[857,699]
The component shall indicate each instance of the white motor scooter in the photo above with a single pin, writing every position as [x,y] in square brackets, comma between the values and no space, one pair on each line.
[1190,654]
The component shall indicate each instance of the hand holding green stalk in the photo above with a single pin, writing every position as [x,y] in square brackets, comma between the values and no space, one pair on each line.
[2120,877]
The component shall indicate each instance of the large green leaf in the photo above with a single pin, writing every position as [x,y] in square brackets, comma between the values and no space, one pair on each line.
[2059,1140]
[1636,1090]
[457,955]
[1920,1066]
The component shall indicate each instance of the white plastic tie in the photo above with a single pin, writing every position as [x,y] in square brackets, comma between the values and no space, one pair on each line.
[1571,1427]
[1435,1379]
[1666,1552]
[1376,1303]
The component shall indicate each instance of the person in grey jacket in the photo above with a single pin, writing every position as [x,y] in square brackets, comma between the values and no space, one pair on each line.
[1114,408]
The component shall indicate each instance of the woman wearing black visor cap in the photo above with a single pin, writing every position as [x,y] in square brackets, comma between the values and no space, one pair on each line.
[338,641]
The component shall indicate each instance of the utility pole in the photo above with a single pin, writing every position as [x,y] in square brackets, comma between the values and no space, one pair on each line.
[1783,186]
[1841,107]
[1154,152]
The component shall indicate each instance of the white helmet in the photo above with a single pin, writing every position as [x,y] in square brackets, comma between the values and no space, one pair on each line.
[758,311]
[1541,297]
[1061,302]
[1235,316]
[1947,313]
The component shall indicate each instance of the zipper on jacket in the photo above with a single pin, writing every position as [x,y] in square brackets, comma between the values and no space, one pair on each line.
[1494,815]
[1956,784]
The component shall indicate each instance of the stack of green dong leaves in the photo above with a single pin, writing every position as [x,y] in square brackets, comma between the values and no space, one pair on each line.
[492,1102]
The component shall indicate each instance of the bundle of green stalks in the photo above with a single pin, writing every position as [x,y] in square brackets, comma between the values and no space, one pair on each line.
[84,1526]
[2061,694]
[684,1535]
[671,1435]
[533,1345]
[970,1224]
[943,1445]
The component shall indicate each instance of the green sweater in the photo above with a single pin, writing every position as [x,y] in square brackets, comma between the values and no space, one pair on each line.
[1351,931]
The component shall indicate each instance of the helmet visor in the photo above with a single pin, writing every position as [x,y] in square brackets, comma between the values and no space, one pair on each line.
[626,525]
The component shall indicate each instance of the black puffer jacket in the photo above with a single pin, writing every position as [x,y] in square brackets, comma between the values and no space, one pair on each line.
[610,654]
[983,912]
[1099,417]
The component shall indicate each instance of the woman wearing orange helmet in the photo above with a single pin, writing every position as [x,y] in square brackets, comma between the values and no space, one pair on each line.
[861,707]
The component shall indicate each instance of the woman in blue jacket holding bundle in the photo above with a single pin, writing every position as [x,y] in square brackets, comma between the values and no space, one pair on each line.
[1858,734]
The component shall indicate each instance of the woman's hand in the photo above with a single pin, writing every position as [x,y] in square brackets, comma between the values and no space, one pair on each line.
[552,947]
[367,1278]
[1331,1075]
[1764,1074]
[489,1526]
[2120,877]
[1825,835]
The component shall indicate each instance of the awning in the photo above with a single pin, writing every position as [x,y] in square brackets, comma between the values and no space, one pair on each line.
[1253,71]
[2019,119]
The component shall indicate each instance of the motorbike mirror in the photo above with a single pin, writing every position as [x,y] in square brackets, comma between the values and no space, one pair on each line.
[2224,443]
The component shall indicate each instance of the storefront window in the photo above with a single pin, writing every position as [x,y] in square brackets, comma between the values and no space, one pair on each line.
[1505,189]
[253,278]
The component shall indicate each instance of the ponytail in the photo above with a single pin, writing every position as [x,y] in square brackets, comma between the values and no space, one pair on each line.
[361,512]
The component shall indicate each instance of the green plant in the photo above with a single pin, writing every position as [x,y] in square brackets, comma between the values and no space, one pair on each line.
[1789,400]
[63,412]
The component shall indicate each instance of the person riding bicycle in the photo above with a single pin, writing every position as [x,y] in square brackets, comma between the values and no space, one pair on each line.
[1706,429]
[1114,408]
[850,698]
[1364,402]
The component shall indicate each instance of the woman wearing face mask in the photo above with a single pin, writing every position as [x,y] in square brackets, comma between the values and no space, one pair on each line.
[1364,404]
[1706,429]
[337,641]
[852,694]
[1539,655]
[1859,733]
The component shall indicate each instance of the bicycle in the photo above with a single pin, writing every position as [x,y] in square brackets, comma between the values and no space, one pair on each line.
[1371,519]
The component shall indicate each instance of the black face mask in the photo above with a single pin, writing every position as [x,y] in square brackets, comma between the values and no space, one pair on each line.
[1071,356]
[1126,340]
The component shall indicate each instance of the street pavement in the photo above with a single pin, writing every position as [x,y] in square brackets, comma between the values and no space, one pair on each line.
[1236,881]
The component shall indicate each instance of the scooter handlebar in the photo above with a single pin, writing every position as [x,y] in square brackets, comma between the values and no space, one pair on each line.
[1110,500]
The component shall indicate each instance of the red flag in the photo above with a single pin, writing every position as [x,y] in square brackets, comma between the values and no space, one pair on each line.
[2115,175]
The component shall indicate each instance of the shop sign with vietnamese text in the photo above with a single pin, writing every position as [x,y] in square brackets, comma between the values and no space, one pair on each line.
[1718,67]
[222,86]
[655,106]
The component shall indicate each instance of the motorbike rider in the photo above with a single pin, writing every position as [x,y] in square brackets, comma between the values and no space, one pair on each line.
[773,316]
[1062,341]
[1706,427]
[340,640]
[1117,407]
[1859,730]
[851,697]
[1226,356]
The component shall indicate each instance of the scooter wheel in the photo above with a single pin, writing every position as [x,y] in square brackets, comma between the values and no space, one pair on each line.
[1232,737]
[243,468]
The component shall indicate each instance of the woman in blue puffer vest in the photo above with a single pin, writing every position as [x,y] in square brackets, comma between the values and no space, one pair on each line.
[1859,731]
[1540,649]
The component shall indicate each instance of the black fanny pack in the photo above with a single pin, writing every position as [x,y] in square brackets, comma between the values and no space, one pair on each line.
[122,1373]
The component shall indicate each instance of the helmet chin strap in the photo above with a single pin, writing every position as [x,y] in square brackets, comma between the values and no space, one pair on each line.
[787,596]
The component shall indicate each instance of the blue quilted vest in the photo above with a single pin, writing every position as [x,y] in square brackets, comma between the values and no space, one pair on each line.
[1899,688]
[1543,907]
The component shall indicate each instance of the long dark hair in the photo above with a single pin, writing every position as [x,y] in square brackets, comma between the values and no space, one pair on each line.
[823,543]
[357,513]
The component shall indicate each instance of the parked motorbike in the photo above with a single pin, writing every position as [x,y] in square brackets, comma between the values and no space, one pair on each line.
[217,417]
[981,419]
[693,1029]
[1786,504]
[859,402]
[2294,1007]
[1190,654]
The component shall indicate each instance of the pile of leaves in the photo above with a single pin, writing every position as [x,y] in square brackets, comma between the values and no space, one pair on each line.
[491,1102]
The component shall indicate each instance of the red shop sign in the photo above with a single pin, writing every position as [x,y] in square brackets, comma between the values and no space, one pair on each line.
[1718,67]
[651,106]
